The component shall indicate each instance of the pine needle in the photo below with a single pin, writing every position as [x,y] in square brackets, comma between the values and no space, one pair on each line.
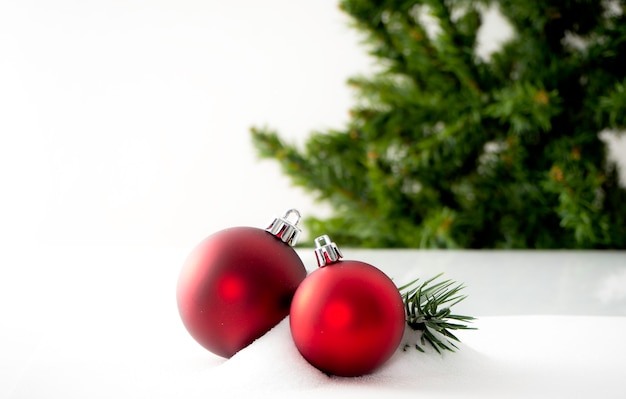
[425,311]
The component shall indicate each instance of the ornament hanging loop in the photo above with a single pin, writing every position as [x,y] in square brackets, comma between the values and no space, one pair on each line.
[326,251]
[293,212]
[285,230]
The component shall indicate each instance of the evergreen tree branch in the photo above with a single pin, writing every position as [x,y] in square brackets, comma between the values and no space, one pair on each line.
[427,308]
[447,150]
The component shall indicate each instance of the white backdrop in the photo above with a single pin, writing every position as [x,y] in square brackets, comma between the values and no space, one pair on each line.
[126,122]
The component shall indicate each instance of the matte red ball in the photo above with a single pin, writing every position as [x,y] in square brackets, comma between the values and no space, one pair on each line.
[347,318]
[235,286]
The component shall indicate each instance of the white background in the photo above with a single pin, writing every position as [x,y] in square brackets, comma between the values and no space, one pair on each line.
[127,122]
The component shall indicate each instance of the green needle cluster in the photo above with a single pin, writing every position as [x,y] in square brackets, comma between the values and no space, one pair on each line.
[427,307]
[447,147]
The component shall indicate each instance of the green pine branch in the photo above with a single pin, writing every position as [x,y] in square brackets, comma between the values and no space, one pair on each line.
[427,309]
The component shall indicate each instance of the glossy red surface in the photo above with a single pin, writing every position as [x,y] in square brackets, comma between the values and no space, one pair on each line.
[347,318]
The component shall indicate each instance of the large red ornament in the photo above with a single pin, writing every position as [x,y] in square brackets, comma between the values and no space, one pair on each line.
[238,283]
[347,317]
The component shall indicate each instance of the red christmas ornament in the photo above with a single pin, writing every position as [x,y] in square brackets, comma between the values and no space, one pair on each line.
[238,283]
[347,317]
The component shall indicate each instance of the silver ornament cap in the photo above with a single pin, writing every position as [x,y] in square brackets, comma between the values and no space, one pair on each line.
[287,231]
[326,251]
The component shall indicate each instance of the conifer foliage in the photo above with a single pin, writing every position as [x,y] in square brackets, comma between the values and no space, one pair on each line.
[447,149]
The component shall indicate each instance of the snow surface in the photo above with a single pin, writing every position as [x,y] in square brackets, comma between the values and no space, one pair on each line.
[524,356]
[102,323]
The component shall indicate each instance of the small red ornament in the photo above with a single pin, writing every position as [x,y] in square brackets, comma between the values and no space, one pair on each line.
[238,283]
[347,317]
